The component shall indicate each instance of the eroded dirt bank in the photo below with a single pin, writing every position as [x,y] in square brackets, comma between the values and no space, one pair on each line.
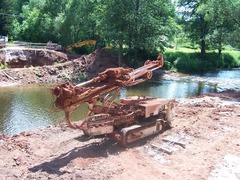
[27,66]
[208,126]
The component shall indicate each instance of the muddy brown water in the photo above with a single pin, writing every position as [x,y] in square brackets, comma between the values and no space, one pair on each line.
[29,107]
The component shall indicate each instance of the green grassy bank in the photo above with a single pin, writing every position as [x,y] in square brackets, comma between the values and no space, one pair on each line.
[189,60]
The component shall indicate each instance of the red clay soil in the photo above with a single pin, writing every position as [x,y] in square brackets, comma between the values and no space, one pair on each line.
[54,67]
[207,126]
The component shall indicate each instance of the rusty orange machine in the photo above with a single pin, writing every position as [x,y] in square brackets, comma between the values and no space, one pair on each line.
[128,119]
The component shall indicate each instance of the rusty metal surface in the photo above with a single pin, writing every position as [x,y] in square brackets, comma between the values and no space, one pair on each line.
[106,116]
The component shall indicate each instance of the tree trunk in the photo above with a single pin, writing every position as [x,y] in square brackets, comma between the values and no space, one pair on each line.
[176,40]
[203,49]
[219,50]
[202,37]
[120,52]
[136,31]
[137,7]
[135,51]
[220,43]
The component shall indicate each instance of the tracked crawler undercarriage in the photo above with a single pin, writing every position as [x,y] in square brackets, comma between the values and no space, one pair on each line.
[128,119]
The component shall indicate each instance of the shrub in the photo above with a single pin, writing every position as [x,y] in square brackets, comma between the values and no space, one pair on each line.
[229,61]
[82,77]
[4,66]
[189,65]
[143,55]
[190,62]
[183,62]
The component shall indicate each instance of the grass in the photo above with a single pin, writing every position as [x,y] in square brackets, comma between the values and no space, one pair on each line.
[234,53]
[189,60]
[182,49]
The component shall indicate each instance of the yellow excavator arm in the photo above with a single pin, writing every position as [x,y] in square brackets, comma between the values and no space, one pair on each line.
[82,43]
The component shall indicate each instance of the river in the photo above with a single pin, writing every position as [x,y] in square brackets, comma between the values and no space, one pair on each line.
[29,107]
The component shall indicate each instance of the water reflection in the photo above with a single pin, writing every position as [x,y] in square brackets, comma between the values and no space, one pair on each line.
[27,108]
[222,80]
[168,89]
[24,108]
[226,74]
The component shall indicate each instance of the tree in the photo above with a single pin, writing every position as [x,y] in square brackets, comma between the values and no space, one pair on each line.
[136,24]
[221,23]
[37,21]
[78,23]
[55,10]
[194,22]
[115,22]
[34,24]
[214,22]
[6,16]
[18,5]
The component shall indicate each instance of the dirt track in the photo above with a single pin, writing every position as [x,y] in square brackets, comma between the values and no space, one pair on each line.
[207,125]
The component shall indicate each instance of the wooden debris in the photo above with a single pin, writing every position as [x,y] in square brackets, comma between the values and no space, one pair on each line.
[174,142]
[5,74]
[162,148]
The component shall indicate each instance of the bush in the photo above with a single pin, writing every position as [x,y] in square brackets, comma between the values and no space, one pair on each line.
[189,65]
[187,62]
[82,77]
[229,61]
[4,66]
[225,60]
[183,62]
[213,61]
[143,55]
[190,62]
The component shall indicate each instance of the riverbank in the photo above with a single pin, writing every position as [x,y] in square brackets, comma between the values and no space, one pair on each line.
[31,66]
[190,60]
[207,126]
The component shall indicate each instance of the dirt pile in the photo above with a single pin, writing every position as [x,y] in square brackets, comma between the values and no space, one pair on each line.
[27,57]
[97,62]
[46,66]
[208,126]
[229,95]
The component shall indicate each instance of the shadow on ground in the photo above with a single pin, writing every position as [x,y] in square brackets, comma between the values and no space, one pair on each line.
[93,150]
